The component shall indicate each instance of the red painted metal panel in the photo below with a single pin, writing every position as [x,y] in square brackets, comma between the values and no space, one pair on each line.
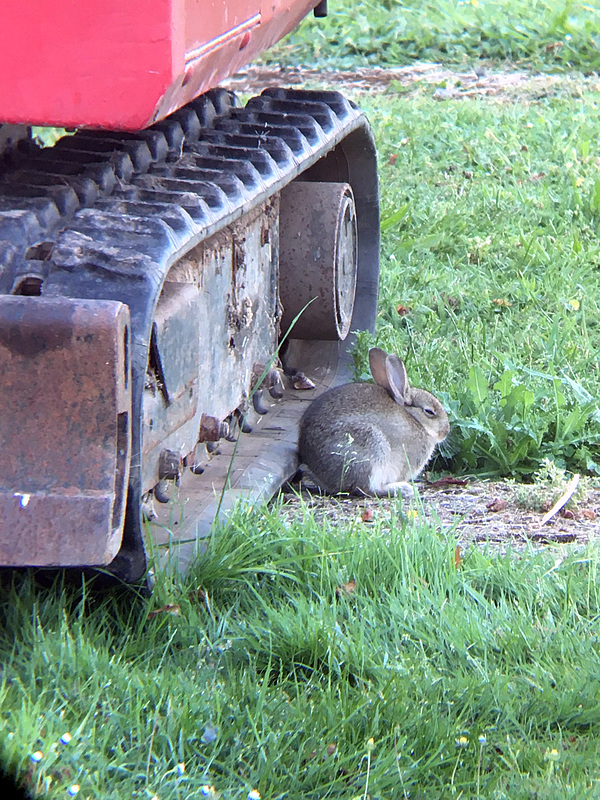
[123,64]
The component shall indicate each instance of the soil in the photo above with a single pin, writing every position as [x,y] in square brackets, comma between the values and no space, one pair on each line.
[474,511]
[502,85]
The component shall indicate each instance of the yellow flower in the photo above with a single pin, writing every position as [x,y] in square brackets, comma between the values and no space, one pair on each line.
[551,755]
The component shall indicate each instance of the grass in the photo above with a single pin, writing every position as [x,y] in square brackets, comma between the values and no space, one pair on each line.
[544,34]
[435,676]
[304,660]
[490,279]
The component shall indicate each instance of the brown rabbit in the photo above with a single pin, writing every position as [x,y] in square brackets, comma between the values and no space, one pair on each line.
[372,439]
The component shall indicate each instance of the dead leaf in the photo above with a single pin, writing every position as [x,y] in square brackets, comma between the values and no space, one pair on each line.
[537,176]
[588,513]
[393,158]
[500,302]
[197,595]
[301,382]
[452,302]
[447,481]
[403,311]
[457,556]
[566,513]
[331,748]
[553,46]
[170,608]
[497,504]
[367,515]
[346,589]
[563,500]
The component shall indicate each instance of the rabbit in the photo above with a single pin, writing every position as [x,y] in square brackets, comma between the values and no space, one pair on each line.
[370,439]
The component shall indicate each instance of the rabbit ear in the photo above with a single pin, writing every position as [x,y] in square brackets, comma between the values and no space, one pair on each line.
[389,372]
[398,385]
[377,359]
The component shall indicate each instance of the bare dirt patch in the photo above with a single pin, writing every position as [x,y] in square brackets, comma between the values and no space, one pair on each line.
[506,84]
[476,512]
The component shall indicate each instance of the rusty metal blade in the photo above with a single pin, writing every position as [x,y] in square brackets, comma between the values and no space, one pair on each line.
[65,430]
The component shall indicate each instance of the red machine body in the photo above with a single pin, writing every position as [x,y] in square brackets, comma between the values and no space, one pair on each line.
[153,266]
[124,64]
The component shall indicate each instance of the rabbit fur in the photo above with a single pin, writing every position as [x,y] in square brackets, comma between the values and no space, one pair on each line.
[372,439]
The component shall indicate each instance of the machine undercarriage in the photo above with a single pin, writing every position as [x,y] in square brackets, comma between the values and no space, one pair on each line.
[146,283]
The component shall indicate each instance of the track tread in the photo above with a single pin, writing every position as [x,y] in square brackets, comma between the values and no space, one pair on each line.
[119,208]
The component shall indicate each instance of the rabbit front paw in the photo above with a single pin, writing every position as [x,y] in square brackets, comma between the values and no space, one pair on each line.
[396,488]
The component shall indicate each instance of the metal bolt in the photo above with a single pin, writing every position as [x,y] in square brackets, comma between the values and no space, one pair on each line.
[212,429]
[169,465]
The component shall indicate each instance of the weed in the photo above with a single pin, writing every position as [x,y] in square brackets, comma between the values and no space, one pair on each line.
[549,484]
[489,283]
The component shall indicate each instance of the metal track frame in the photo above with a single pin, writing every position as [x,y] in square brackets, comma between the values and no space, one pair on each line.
[103,216]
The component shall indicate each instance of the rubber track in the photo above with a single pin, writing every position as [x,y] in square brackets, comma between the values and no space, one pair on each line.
[105,215]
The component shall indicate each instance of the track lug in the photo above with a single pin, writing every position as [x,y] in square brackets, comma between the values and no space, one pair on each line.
[269,379]
[258,402]
[242,420]
[192,462]
[163,491]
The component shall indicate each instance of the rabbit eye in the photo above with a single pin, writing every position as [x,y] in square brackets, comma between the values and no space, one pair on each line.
[430,412]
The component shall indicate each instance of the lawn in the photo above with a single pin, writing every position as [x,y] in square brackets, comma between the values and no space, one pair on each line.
[544,34]
[303,659]
[490,282]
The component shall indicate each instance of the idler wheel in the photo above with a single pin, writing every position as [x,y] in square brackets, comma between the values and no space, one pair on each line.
[318,259]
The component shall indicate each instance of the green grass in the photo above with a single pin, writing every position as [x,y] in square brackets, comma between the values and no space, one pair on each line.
[490,279]
[480,679]
[437,677]
[545,34]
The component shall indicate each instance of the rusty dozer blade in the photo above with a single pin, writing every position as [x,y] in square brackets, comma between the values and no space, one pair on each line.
[65,430]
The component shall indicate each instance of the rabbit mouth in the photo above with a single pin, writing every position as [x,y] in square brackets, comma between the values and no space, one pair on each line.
[434,431]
